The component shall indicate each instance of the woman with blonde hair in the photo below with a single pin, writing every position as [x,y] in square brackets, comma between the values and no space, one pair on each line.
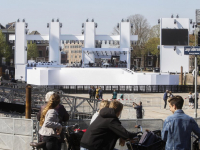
[49,122]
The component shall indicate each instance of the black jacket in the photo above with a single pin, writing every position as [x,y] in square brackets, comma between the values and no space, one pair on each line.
[103,133]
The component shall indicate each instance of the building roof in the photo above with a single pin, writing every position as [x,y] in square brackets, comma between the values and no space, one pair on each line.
[10,25]
[2,27]
[34,33]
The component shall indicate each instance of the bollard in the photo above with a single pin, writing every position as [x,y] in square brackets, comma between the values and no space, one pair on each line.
[28,102]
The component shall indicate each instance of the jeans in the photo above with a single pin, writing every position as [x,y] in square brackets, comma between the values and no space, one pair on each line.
[83,148]
[165,103]
[51,143]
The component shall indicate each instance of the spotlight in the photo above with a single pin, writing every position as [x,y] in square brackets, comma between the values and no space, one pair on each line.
[174,21]
[92,20]
[26,31]
[47,25]
[82,25]
[18,20]
[52,20]
[57,20]
[82,31]
[158,47]
[25,48]
[26,25]
[13,25]
[23,20]
[158,21]
[60,48]
[62,42]
[95,25]
[177,16]
[127,20]
[174,48]
[122,20]
[131,25]
[13,47]
[190,21]
[172,16]
[87,20]
[193,32]
[60,25]
[118,25]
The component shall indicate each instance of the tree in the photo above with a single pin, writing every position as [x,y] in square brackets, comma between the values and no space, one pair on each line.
[5,49]
[141,28]
[151,46]
[155,32]
[32,51]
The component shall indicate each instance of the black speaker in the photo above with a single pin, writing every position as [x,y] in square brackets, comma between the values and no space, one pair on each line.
[199,38]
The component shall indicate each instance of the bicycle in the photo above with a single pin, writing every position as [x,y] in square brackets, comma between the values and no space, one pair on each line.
[68,130]
[196,143]
[150,140]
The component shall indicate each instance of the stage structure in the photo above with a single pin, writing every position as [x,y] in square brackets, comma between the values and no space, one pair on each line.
[174,35]
[54,73]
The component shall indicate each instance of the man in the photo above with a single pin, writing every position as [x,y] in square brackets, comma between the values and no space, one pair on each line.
[197,99]
[138,109]
[165,98]
[100,93]
[178,127]
[103,133]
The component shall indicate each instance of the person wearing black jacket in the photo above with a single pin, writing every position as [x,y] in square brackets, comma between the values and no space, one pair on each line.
[103,133]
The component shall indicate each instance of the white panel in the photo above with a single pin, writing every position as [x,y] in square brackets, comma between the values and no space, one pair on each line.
[173,60]
[20,71]
[107,37]
[11,37]
[125,35]
[97,76]
[54,42]
[72,37]
[89,35]
[105,49]
[169,23]
[20,43]
[37,37]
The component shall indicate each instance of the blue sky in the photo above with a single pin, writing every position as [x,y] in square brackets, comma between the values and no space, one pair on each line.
[107,13]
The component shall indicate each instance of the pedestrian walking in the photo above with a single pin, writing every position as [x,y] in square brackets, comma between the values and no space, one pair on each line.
[165,98]
[191,100]
[138,108]
[100,93]
[114,94]
[97,93]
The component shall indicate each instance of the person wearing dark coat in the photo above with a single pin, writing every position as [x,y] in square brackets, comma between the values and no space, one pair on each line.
[106,129]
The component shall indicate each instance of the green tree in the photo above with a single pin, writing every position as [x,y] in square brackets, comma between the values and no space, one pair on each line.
[5,49]
[32,51]
[151,46]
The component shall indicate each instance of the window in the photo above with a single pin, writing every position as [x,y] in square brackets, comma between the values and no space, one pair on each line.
[150,63]
[67,51]
[75,56]
[40,53]
[63,56]
[71,56]
[70,46]
[3,60]
[80,51]
[80,46]
[80,56]
[67,61]
[67,56]
[149,54]
[66,46]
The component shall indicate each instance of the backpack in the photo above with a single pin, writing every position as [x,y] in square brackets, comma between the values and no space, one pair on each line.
[148,138]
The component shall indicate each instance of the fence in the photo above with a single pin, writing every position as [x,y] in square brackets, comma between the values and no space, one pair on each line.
[16,134]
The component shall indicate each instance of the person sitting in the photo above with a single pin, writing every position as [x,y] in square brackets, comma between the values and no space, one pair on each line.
[49,122]
[103,104]
[63,116]
[103,133]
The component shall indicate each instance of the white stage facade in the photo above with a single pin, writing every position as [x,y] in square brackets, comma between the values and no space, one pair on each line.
[54,73]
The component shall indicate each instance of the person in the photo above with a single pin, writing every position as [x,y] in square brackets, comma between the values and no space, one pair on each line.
[103,133]
[170,94]
[100,93]
[103,104]
[165,98]
[49,122]
[90,92]
[191,100]
[177,128]
[114,94]
[138,108]
[197,99]
[93,93]
[97,93]
[63,116]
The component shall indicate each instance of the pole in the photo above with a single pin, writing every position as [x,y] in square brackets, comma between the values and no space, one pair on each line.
[195,114]
[181,75]
[28,102]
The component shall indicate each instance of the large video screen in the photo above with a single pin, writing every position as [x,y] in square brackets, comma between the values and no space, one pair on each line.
[174,37]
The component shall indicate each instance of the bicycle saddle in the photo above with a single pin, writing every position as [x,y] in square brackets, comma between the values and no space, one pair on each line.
[38,145]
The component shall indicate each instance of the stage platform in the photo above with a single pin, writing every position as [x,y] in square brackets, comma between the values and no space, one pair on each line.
[96,76]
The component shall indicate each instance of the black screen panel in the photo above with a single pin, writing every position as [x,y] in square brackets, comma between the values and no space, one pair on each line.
[174,36]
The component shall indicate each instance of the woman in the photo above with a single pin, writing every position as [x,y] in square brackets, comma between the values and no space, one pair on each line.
[97,93]
[114,94]
[51,128]
[191,100]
